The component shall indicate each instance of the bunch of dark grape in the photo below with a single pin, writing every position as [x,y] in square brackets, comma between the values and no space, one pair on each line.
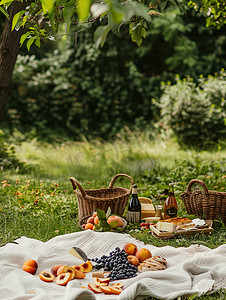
[117,264]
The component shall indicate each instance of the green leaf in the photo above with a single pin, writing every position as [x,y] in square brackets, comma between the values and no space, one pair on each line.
[83,8]
[5,2]
[108,213]
[104,224]
[68,11]
[135,9]
[98,9]
[101,214]
[136,33]
[30,42]
[23,37]
[4,12]
[116,12]
[16,18]
[38,42]
[162,5]
[47,6]
[24,20]
[143,32]
[100,35]
[179,5]
[113,224]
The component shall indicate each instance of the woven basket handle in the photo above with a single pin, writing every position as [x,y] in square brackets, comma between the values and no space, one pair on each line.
[193,181]
[76,184]
[118,175]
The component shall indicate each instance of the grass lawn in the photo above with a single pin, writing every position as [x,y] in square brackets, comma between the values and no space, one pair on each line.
[42,204]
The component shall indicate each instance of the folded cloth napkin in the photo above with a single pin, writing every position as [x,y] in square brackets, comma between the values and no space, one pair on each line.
[192,270]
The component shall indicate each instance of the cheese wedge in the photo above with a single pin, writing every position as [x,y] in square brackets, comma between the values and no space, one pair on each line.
[165,226]
[79,253]
[147,210]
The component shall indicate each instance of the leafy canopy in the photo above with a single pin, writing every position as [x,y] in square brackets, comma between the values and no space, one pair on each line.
[43,18]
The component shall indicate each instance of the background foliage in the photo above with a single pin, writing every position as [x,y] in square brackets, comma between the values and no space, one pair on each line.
[196,112]
[77,90]
[9,160]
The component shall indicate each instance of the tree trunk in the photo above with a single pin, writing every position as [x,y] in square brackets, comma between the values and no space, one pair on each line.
[9,49]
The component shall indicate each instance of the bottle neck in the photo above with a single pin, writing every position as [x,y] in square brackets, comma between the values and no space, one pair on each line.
[171,190]
[134,190]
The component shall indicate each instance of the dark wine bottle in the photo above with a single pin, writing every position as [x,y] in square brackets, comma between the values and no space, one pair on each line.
[170,205]
[134,208]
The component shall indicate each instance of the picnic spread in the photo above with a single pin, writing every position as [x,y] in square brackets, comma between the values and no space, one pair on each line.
[104,262]
[196,269]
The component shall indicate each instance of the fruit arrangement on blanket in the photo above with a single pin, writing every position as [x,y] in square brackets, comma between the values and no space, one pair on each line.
[125,263]
[61,274]
[122,264]
[119,264]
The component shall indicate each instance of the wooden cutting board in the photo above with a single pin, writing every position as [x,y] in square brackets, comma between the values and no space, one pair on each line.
[205,229]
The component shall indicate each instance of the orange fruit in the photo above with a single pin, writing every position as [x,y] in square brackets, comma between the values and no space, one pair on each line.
[89,226]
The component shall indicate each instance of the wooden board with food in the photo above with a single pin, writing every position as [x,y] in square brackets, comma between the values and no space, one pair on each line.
[179,226]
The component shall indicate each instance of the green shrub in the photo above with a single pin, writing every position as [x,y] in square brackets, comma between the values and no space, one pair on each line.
[196,113]
[80,92]
[8,159]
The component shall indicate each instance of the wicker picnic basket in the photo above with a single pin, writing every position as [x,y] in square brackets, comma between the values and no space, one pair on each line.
[91,199]
[206,204]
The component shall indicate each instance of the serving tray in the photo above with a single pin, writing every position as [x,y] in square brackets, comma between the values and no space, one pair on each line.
[204,229]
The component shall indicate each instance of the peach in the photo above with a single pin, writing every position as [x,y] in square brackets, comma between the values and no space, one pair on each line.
[46,276]
[89,226]
[94,288]
[117,285]
[143,254]
[81,269]
[54,269]
[130,248]
[60,270]
[63,278]
[79,274]
[90,220]
[30,266]
[115,290]
[68,269]
[98,283]
[83,226]
[96,220]
[106,289]
[94,214]
[87,266]
[132,259]
[104,280]
[117,219]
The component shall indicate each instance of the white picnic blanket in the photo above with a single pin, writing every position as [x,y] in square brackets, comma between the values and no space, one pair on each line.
[195,269]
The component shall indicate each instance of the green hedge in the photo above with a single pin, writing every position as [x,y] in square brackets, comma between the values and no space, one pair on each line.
[196,112]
